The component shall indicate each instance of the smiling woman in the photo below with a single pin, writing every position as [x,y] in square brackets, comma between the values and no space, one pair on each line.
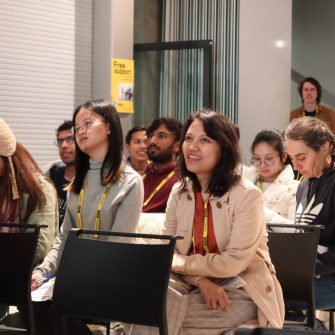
[220,215]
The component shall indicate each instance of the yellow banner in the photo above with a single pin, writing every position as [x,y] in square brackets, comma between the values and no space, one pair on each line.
[122,91]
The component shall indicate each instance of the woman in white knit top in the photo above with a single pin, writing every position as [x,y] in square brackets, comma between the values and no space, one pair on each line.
[273,176]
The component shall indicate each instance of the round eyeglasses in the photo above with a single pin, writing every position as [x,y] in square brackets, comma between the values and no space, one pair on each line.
[67,140]
[85,124]
[268,160]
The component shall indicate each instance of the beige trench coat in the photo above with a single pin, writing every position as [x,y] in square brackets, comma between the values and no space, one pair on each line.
[239,226]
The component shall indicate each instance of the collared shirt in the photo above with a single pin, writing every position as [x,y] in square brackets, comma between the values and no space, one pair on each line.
[198,228]
[151,179]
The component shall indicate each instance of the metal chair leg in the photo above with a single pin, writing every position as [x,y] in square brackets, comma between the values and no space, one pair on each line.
[331,321]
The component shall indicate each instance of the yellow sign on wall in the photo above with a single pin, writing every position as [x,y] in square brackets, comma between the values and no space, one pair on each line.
[123,85]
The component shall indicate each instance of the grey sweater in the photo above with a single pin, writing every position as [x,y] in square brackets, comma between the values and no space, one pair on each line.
[120,212]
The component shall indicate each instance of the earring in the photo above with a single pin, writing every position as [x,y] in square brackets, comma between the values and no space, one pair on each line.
[108,132]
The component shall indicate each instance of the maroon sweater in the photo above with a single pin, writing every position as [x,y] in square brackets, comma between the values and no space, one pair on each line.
[152,179]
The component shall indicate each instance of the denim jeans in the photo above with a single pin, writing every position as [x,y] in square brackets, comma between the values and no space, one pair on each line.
[324,291]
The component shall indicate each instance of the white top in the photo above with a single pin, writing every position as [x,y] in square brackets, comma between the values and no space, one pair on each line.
[279,197]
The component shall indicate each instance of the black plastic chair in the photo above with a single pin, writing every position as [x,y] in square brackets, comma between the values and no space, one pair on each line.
[294,257]
[331,319]
[17,253]
[115,281]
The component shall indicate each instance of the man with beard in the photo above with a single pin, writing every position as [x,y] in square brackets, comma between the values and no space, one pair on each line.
[159,177]
[62,171]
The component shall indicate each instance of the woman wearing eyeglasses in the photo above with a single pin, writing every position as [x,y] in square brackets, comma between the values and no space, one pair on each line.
[105,193]
[273,176]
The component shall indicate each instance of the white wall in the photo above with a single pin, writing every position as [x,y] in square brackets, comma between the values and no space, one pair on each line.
[45,68]
[264,67]
[112,38]
[313,48]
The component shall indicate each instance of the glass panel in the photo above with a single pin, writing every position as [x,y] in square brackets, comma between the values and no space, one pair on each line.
[168,83]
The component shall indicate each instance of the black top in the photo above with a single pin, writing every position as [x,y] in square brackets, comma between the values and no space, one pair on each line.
[57,176]
[310,113]
[316,205]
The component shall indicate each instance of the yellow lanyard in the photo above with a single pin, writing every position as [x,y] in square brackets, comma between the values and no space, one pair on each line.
[205,231]
[98,212]
[161,184]
[260,184]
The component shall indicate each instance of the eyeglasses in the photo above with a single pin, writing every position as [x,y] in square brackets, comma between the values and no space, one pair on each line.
[60,141]
[268,160]
[85,124]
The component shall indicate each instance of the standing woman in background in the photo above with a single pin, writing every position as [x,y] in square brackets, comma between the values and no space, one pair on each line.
[311,146]
[273,176]
[221,217]
[105,193]
[26,195]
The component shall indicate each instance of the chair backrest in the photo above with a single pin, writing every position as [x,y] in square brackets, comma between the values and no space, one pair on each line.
[294,257]
[18,243]
[110,280]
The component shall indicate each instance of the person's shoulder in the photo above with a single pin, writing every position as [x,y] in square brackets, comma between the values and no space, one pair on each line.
[245,184]
[129,174]
[242,187]
[243,190]
[187,183]
[52,166]
[250,173]
[326,109]
[287,176]
[295,113]
[328,177]
[45,183]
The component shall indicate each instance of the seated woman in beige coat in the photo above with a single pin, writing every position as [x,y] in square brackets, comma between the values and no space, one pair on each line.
[221,217]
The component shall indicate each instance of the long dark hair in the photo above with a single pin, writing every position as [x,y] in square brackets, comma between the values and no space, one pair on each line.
[25,169]
[113,161]
[222,130]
